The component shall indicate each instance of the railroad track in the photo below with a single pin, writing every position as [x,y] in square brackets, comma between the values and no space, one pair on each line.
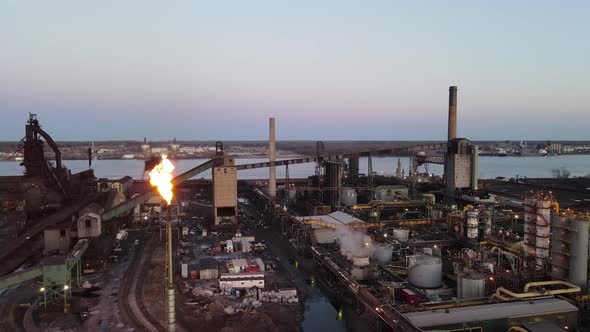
[133,285]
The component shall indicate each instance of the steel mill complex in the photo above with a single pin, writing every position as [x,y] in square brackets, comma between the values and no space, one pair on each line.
[408,251]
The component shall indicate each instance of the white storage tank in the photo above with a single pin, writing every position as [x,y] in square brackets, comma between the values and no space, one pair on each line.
[401,234]
[383,254]
[471,286]
[348,197]
[425,271]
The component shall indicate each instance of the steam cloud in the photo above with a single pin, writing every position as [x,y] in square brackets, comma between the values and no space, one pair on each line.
[353,241]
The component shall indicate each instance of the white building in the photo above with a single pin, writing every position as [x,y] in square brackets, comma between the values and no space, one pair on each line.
[228,281]
[89,225]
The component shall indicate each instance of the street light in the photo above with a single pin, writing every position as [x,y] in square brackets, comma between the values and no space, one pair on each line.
[42,289]
[66,287]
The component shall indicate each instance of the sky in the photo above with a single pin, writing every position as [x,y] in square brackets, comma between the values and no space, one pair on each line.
[327,70]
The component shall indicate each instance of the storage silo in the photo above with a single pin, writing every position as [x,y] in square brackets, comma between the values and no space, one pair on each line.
[560,255]
[383,254]
[471,286]
[348,197]
[579,255]
[425,271]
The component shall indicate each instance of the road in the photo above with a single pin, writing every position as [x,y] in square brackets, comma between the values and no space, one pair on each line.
[11,314]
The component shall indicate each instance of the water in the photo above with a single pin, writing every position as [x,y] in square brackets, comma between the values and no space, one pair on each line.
[320,315]
[489,167]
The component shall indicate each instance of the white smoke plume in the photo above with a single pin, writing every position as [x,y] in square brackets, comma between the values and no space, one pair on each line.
[354,241]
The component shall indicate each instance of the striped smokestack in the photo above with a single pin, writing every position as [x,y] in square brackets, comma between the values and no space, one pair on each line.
[452,113]
[272,154]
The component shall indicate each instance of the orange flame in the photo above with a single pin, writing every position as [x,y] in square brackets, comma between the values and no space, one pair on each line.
[161,177]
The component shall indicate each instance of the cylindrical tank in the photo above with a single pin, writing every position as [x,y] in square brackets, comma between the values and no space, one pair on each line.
[292,194]
[560,248]
[383,254]
[401,234]
[348,197]
[579,257]
[425,271]
[472,224]
[471,286]
[360,260]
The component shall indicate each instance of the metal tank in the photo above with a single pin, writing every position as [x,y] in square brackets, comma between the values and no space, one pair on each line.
[401,234]
[425,271]
[579,255]
[383,254]
[348,197]
[560,255]
[471,286]
[472,224]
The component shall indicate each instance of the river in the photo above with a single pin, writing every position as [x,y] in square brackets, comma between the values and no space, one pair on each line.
[489,167]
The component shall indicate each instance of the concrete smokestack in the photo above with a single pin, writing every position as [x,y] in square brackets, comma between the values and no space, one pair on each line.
[452,113]
[272,155]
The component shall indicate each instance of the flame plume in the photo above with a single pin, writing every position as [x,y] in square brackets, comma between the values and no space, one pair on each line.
[161,177]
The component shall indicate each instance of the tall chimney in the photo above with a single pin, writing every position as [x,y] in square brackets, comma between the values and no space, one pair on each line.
[452,113]
[272,154]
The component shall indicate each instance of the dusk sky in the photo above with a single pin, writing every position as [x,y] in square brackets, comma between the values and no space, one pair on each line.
[367,70]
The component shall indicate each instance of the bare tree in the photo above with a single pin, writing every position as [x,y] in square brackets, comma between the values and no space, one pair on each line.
[561,173]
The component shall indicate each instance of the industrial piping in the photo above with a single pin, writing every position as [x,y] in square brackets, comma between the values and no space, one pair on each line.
[452,113]
[506,295]
[272,154]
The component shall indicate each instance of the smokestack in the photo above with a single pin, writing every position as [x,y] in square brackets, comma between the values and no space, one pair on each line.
[272,154]
[452,113]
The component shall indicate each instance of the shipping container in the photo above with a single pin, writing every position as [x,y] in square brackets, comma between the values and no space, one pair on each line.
[408,296]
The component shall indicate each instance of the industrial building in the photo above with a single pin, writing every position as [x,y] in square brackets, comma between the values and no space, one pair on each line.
[241,280]
[225,188]
[416,252]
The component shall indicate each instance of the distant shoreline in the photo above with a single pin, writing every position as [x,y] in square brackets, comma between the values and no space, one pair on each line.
[295,156]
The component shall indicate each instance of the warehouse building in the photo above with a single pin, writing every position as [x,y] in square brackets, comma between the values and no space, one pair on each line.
[227,281]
